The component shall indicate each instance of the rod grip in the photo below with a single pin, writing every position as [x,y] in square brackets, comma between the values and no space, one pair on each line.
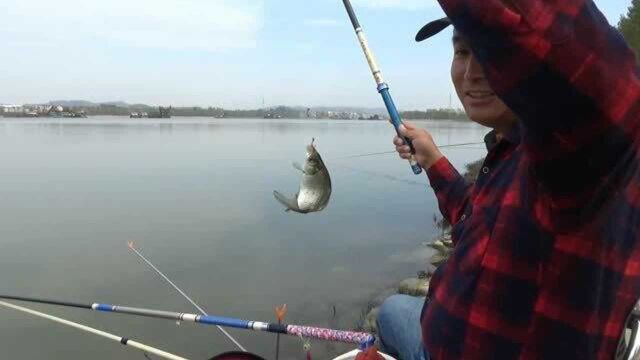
[351,337]
[383,89]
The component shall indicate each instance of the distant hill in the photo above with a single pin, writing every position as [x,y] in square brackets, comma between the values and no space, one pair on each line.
[86,104]
[90,104]
[365,110]
[73,103]
[116,103]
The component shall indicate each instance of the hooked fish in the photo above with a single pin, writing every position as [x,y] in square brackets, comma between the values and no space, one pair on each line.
[315,186]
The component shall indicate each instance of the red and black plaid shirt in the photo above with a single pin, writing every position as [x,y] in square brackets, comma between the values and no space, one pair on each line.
[547,257]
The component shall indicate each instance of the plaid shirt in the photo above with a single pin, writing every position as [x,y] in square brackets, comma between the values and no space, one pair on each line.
[547,256]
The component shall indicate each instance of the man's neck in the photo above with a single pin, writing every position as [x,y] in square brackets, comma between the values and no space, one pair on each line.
[502,132]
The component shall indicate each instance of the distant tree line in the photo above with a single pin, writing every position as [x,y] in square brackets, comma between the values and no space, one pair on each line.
[629,26]
[279,112]
[284,112]
[435,114]
[103,109]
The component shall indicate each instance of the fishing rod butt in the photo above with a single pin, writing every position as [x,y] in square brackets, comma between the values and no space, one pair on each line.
[417,169]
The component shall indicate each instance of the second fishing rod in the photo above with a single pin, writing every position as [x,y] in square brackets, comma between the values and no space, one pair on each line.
[382,87]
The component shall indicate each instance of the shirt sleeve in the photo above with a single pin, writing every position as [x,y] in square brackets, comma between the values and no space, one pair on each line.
[572,81]
[452,191]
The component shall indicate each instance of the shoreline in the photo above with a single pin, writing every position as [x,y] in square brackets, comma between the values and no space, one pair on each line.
[90,117]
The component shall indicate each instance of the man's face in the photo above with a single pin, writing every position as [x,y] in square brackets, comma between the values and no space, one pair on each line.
[480,102]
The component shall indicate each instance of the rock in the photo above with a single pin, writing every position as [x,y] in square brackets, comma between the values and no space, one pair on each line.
[439,246]
[414,287]
[448,241]
[370,321]
[438,259]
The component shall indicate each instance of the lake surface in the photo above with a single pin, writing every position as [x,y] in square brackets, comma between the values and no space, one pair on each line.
[195,195]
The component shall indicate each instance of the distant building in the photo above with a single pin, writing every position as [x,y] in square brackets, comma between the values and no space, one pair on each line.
[11,108]
[343,115]
[39,108]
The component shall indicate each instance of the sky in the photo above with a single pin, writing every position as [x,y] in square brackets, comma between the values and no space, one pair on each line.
[236,54]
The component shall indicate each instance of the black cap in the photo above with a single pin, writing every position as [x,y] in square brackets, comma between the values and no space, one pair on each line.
[432,28]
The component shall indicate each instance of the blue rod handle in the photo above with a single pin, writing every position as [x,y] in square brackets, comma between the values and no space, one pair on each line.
[223,321]
[383,89]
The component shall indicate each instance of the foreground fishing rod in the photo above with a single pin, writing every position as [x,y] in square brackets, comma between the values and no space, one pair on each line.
[383,88]
[122,340]
[363,339]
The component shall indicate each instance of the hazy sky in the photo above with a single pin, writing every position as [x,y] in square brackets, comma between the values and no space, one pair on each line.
[230,53]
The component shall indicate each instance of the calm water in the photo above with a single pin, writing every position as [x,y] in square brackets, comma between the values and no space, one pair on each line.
[196,197]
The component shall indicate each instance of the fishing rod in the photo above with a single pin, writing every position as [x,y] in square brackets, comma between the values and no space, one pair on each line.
[382,87]
[363,339]
[150,264]
[122,340]
[382,175]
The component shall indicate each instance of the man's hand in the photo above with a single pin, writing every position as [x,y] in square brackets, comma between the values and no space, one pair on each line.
[427,152]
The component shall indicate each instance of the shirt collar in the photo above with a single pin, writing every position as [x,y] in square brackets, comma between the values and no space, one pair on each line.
[512,136]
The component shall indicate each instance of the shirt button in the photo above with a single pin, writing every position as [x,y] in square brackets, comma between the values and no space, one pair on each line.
[464,216]
[485,170]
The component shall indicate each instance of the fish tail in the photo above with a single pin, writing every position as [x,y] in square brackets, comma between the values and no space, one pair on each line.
[291,204]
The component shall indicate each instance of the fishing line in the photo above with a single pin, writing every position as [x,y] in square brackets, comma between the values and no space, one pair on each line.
[394,151]
[381,175]
[150,264]
[388,176]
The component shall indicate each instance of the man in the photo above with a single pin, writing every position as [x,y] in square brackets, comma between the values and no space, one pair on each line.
[547,241]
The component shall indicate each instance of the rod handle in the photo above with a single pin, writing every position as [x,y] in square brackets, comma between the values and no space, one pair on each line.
[351,337]
[383,89]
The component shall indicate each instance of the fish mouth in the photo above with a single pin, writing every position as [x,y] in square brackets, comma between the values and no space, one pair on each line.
[311,149]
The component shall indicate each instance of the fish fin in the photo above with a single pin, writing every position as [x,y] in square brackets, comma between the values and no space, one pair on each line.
[297,166]
[291,204]
[312,172]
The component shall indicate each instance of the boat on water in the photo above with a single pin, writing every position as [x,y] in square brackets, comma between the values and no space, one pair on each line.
[272,116]
[138,115]
[162,113]
[66,114]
